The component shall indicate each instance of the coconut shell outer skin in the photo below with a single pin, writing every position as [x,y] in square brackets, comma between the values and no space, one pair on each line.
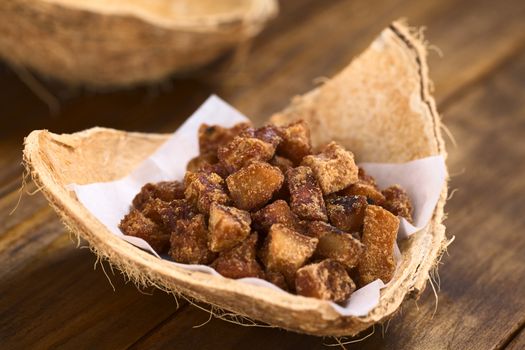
[396,74]
[106,46]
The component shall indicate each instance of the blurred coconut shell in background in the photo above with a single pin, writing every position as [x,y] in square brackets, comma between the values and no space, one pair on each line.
[115,43]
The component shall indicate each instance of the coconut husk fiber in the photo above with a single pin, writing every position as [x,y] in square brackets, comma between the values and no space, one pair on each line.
[379,107]
[115,43]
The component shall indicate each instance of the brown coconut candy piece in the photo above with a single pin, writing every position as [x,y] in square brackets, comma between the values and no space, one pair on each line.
[277,279]
[207,163]
[228,226]
[164,190]
[277,212]
[189,242]
[211,137]
[326,280]
[154,209]
[282,163]
[379,235]
[137,225]
[372,194]
[216,168]
[270,134]
[346,212]
[286,250]
[397,202]
[204,188]
[254,185]
[296,142]
[365,178]
[166,214]
[201,161]
[334,167]
[335,244]
[306,197]
[240,261]
[181,209]
[242,151]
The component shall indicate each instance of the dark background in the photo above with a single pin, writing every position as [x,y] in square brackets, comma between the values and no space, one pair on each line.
[50,296]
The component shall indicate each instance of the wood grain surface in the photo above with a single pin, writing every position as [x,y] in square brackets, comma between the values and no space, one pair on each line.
[55,295]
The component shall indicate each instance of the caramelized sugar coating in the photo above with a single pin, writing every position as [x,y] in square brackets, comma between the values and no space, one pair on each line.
[203,188]
[277,212]
[240,262]
[276,278]
[207,163]
[286,250]
[371,193]
[365,178]
[254,185]
[153,210]
[335,244]
[306,198]
[304,227]
[242,151]
[189,242]
[166,214]
[228,226]
[137,225]
[326,280]
[211,137]
[334,168]
[397,202]
[217,168]
[165,190]
[379,235]
[269,133]
[346,212]
[282,163]
[296,142]
[203,160]
[182,209]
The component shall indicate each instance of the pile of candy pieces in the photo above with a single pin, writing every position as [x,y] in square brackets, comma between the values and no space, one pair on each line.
[260,202]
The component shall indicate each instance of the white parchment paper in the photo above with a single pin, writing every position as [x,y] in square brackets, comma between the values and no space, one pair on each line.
[110,201]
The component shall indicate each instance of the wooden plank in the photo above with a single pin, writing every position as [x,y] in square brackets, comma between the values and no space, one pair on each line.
[283,63]
[193,328]
[21,214]
[518,343]
[51,296]
[475,38]
[480,303]
[58,299]
[10,162]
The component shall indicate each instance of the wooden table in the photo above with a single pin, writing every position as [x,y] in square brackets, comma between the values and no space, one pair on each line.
[52,297]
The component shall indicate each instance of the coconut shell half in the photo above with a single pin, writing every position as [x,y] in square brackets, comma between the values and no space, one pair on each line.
[114,43]
[379,107]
